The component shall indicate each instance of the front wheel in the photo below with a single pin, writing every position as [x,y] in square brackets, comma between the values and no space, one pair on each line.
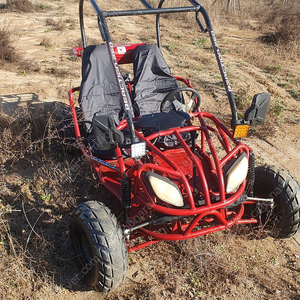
[275,183]
[99,246]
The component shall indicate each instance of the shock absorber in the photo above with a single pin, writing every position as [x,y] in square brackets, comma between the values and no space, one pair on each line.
[251,174]
[126,197]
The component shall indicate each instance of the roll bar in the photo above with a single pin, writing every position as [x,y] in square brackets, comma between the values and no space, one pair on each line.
[149,10]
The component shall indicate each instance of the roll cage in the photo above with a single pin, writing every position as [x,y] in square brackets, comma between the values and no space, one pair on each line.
[149,10]
[197,169]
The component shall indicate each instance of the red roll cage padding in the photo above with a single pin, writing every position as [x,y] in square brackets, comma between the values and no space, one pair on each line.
[123,52]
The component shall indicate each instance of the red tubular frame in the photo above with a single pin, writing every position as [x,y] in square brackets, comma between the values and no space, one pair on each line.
[213,214]
[123,52]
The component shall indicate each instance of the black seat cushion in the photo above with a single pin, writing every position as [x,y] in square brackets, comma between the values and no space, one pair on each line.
[157,122]
[99,91]
[152,79]
[162,121]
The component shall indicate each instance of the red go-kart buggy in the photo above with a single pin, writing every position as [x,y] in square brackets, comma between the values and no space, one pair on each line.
[178,171]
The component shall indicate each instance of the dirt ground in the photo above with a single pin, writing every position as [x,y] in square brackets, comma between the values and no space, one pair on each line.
[45,38]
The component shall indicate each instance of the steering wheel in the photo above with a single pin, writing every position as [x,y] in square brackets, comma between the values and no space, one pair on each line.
[191,106]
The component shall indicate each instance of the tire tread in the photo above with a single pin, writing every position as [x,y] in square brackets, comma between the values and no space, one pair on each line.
[108,243]
[288,192]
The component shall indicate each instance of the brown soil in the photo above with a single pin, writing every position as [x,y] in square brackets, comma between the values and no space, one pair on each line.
[235,265]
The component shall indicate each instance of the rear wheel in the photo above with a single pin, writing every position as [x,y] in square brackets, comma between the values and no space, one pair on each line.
[284,216]
[99,246]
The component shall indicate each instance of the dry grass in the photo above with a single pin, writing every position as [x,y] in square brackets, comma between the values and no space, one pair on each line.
[9,55]
[28,67]
[284,19]
[40,186]
[227,265]
[57,72]
[46,42]
[56,25]
[41,183]
[25,6]
[7,50]
[15,141]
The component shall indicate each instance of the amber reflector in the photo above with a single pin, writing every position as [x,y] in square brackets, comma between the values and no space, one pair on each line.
[241,131]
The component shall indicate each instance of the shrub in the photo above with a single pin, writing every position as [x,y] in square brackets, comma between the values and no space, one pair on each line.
[20,5]
[285,20]
[7,50]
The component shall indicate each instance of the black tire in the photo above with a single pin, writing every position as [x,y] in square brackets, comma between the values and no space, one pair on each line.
[284,217]
[99,246]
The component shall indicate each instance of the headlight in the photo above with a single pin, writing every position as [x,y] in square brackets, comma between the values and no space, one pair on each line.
[164,189]
[236,173]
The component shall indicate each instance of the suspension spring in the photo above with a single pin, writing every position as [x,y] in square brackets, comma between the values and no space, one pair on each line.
[126,197]
[251,174]
[125,192]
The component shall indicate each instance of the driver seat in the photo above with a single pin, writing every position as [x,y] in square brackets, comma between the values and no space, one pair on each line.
[152,83]
[152,79]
